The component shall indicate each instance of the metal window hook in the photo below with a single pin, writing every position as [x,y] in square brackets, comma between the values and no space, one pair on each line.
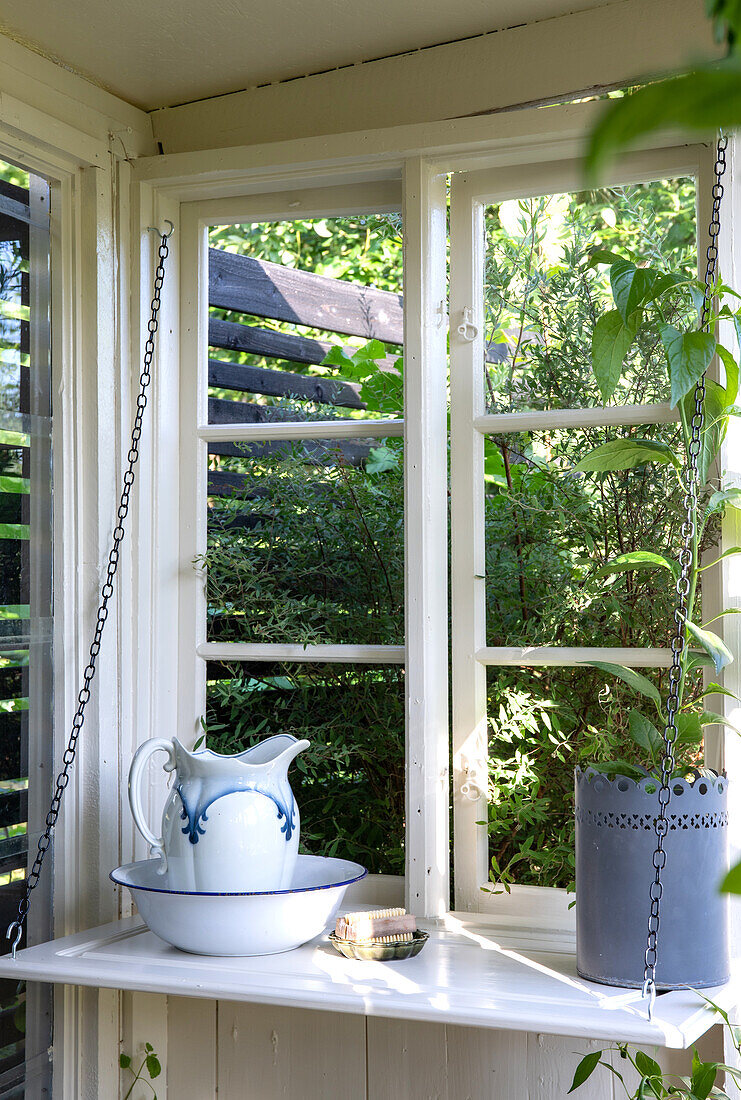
[15,931]
[158,231]
[649,990]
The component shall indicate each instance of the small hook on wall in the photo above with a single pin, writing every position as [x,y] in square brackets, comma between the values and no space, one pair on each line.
[158,231]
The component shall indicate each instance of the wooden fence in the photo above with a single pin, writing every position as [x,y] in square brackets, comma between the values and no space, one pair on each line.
[268,291]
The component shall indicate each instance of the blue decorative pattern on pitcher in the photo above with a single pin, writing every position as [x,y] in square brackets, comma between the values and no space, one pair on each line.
[214,844]
[195,813]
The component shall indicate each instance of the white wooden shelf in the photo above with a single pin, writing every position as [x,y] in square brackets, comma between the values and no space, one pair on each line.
[464,976]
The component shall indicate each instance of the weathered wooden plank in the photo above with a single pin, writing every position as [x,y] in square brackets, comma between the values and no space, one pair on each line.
[143,1020]
[323,452]
[484,1064]
[270,1053]
[283,383]
[264,289]
[222,411]
[222,483]
[233,336]
[245,412]
[407,1059]
[550,1064]
[191,1049]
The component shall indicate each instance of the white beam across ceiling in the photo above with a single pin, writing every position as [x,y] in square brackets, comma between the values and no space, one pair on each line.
[615,44]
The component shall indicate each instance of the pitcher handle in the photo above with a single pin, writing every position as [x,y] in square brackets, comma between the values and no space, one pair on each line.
[136,774]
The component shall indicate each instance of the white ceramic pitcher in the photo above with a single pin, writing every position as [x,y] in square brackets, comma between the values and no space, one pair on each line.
[230,823]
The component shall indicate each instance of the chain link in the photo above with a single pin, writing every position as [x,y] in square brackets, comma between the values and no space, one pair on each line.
[15,930]
[686,562]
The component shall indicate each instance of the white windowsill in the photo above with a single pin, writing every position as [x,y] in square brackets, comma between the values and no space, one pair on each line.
[465,975]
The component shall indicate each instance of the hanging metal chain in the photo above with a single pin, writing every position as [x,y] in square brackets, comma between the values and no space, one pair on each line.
[15,930]
[686,562]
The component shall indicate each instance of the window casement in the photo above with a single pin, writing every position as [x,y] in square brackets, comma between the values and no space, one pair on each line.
[422,649]
[472,423]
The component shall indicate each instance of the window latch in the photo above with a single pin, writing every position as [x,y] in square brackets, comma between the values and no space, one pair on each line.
[468,330]
[471,789]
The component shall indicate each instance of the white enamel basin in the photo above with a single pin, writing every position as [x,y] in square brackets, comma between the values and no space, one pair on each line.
[241,924]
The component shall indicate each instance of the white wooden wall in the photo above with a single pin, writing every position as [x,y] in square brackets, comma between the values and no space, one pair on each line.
[256,1052]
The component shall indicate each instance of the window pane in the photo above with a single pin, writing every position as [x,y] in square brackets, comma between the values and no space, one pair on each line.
[542,298]
[306,542]
[350,784]
[26,674]
[543,722]
[550,531]
[285,296]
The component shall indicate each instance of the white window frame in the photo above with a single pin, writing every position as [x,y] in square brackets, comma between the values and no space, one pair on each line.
[260,182]
[424,652]
[471,192]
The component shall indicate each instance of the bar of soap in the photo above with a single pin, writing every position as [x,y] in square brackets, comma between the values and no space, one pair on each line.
[378,926]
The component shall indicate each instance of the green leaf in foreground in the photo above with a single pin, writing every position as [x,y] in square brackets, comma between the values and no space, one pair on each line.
[731,368]
[585,1069]
[729,553]
[637,559]
[724,497]
[689,355]
[644,733]
[714,646]
[689,728]
[621,767]
[703,1077]
[647,1066]
[611,339]
[630,677]
[630,286]
[712,718]
[625,454]
[716,689]
[716,423]
[605,256]
[705,99]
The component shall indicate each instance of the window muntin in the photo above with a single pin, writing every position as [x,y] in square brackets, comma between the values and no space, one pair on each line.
[544,422]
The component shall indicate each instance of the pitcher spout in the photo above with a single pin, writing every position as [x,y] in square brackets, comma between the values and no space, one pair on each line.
[279,750]
[291,752]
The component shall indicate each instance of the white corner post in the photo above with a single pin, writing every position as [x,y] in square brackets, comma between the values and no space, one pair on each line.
[426,542]
[723,748]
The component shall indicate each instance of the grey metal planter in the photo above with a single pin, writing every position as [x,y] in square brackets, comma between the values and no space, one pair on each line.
[615,840]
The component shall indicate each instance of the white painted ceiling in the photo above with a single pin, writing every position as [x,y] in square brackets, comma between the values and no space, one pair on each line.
[157,53]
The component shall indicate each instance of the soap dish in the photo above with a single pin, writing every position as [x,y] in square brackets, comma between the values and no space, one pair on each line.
[381,952]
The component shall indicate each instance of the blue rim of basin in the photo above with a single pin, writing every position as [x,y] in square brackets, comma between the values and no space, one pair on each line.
[232,893]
